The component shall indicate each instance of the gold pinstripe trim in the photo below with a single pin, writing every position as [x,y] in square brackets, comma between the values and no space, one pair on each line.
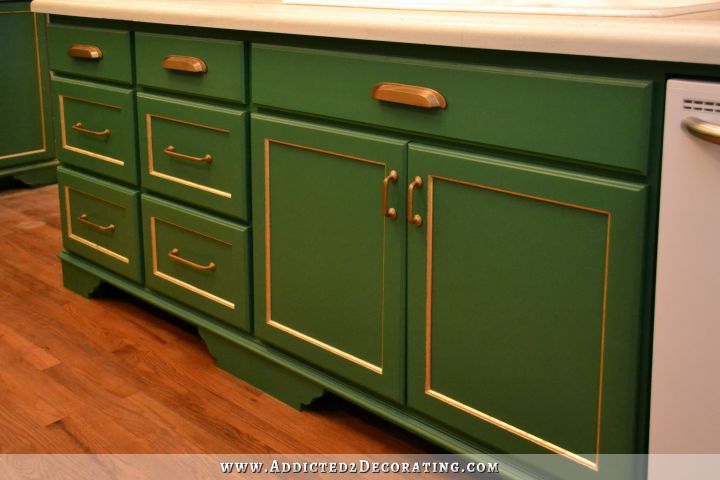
[177,281]
[77,238]
[428,328]
[268,281]
[165,176]
[40,92]
[63,130]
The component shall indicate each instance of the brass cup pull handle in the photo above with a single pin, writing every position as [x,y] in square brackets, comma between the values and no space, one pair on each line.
[85,51]
[170,150]
[415,219]
[174,254]
[710,132]
[184,63]
[103,228]
[408,95]
[390,213]
[78,127]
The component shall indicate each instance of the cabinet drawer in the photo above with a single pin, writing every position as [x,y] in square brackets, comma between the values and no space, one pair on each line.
[598,120]
[100,222]
[197,66]
[96,128]
[195,153]
[91,52]
[197,259]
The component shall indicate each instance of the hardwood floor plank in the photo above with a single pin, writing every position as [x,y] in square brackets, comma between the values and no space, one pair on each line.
[114,375]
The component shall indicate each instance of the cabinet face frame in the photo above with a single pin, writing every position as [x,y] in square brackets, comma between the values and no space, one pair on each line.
[43,148]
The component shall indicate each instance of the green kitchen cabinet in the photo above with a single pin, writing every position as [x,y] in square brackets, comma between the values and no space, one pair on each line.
[197,259]
[523,284]
[100,221]
[523,298]
[96,128]
[328,258]
[26,141]
[194,152]
[478,271]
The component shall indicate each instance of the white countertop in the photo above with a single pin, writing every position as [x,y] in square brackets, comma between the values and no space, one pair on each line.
[687,38]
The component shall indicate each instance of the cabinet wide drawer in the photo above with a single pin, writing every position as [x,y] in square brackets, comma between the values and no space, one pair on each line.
[96,128]
[90,52]
[197,66]
[100,222]
[195,153]
[197,259]
[580,118]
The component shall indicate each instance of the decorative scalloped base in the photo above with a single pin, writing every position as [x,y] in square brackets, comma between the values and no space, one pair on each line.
[80,281]
[269,377]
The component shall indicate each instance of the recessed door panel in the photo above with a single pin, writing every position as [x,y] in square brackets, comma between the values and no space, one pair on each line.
[524,311]
[329,261]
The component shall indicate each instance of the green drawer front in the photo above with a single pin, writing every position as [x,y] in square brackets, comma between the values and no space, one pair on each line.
[224,61]
[100,222]
[96,108]
[207,164]
[197,259]
[114,64]
[598,120]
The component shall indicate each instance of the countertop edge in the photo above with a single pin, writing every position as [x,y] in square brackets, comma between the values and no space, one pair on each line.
[687,39]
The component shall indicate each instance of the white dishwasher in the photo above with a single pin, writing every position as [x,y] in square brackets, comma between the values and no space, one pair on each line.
[685,403]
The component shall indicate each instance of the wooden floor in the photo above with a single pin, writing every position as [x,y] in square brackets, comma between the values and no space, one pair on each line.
[115,376]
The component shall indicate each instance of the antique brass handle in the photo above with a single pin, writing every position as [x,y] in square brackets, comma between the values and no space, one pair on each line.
[85,51]
[408,95]
[390,213]
[710,132]
[413,219]
[170,150]
[103,228]
[78,127]
[183,63]
[174,254]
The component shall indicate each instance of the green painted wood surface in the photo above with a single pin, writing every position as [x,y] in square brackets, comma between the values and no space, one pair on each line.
[105,204]
[80,281]
[97,107]
[336,264]
[579,118]
[34,174]
[222,292]
[225,61]
[519,306]
[195,129]
[115,64]
[26,128]
[266,375]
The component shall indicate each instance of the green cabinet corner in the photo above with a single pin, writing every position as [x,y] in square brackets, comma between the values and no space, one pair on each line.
[26,134]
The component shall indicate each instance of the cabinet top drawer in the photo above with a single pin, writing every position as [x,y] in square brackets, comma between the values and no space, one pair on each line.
[596,120]
[91,52]
[197,66]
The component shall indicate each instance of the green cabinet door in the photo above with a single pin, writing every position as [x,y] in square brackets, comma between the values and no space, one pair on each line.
[25,129]
[524,306]
[328,265]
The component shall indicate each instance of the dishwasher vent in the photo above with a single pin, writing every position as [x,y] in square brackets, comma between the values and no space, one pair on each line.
[701,105]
